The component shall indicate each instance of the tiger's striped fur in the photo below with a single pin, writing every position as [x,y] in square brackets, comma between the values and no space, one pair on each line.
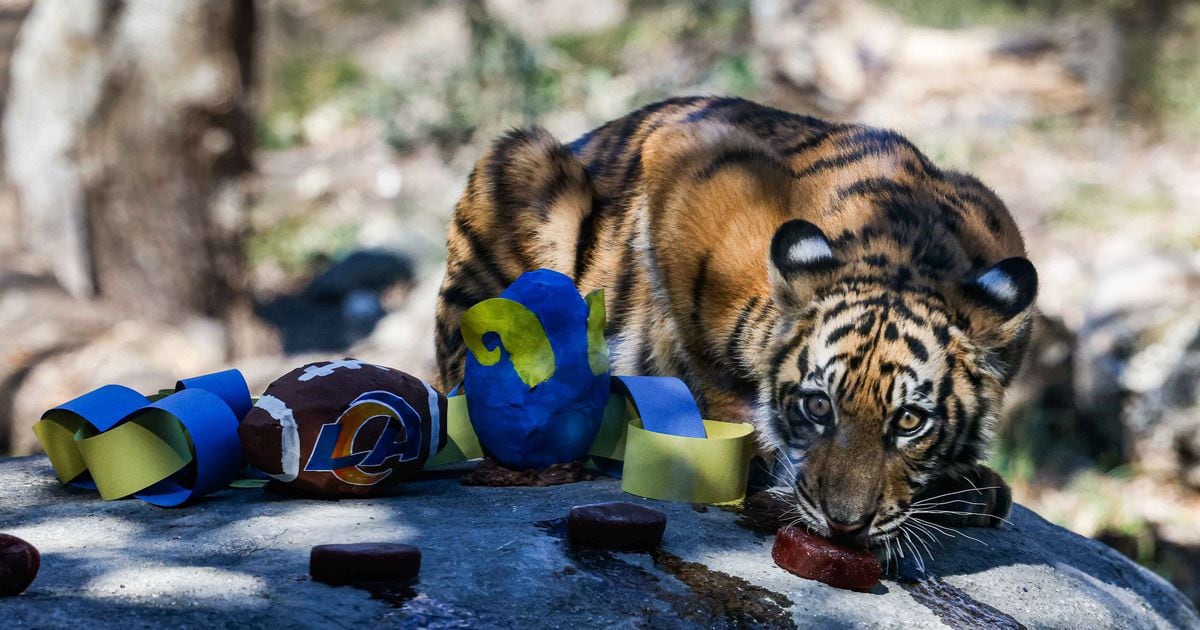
[765,258]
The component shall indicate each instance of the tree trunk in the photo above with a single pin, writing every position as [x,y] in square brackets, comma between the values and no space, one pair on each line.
[12,15]
[128,128]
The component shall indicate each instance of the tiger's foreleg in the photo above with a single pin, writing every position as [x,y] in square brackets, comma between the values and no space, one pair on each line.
[522,210]
[972,497]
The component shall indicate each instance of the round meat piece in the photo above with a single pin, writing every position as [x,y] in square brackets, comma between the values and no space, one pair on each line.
[19,563]
[616,525]
[364,563]
[813,557]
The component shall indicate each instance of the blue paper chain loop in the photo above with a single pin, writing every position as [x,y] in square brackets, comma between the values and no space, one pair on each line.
[208,409]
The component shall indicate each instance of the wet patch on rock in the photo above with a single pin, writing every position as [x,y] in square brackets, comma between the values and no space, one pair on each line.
[738,602]
[713,599]
[416,609]
[955,607]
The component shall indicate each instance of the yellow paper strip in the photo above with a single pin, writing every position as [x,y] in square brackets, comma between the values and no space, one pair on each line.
[135,455]
[696,470]
[597,344]
[56,434]
[462,444]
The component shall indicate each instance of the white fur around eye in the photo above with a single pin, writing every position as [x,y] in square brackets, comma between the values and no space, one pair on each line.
[998,285]
[926,427]
[809,250]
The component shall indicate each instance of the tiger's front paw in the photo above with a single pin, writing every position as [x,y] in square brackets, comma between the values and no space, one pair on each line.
[975,497]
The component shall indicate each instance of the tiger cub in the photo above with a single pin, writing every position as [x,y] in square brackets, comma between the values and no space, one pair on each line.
[864,308]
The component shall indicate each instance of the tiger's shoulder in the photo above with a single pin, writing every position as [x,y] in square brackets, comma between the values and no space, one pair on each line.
[681,198]
[833,173]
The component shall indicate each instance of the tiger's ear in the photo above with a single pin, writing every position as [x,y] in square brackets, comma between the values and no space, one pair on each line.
[996,305]
[999,294]
[801,261]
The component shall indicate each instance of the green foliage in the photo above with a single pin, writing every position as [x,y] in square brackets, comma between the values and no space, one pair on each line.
[278,131]
[504,65]
[298,85]
[598,50]
[1098,206]
[1169,82]
[718,27]
[307,80]
[1039,440]
[297,244]
[716,20]
[505,83]
[735,76]
[1161,44]
[967,13]
[391,10]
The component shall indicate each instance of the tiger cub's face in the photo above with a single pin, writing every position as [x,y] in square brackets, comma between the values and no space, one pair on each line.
[880,380]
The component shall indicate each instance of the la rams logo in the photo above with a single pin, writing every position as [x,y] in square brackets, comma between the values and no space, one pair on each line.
[401,439]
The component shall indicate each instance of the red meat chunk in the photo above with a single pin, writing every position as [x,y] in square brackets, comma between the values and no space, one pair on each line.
[813,557]
[19,562]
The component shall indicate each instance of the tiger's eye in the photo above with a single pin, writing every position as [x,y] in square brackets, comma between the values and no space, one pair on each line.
[909,422]
[818,407]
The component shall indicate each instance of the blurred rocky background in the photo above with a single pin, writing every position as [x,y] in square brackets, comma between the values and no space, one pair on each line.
[193,185]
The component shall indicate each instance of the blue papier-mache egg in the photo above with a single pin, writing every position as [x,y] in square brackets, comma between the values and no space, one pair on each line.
[536,375]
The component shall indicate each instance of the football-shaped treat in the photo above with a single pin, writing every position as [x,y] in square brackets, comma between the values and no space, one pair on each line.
[816,558]
[344,428]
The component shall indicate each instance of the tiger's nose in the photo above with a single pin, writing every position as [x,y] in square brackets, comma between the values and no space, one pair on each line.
[854,533]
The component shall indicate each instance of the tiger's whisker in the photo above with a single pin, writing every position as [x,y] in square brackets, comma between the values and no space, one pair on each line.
[932,533]
[968,480]
[919,533]
[916,552]
[917,537]
[779,481]
[789,467]
[960,513]
[954,529]
[787,461]
[916,555]
[940,503]
[932,526]
[948,494]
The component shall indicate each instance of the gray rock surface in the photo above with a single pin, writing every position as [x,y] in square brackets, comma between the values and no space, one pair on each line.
[240,559]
